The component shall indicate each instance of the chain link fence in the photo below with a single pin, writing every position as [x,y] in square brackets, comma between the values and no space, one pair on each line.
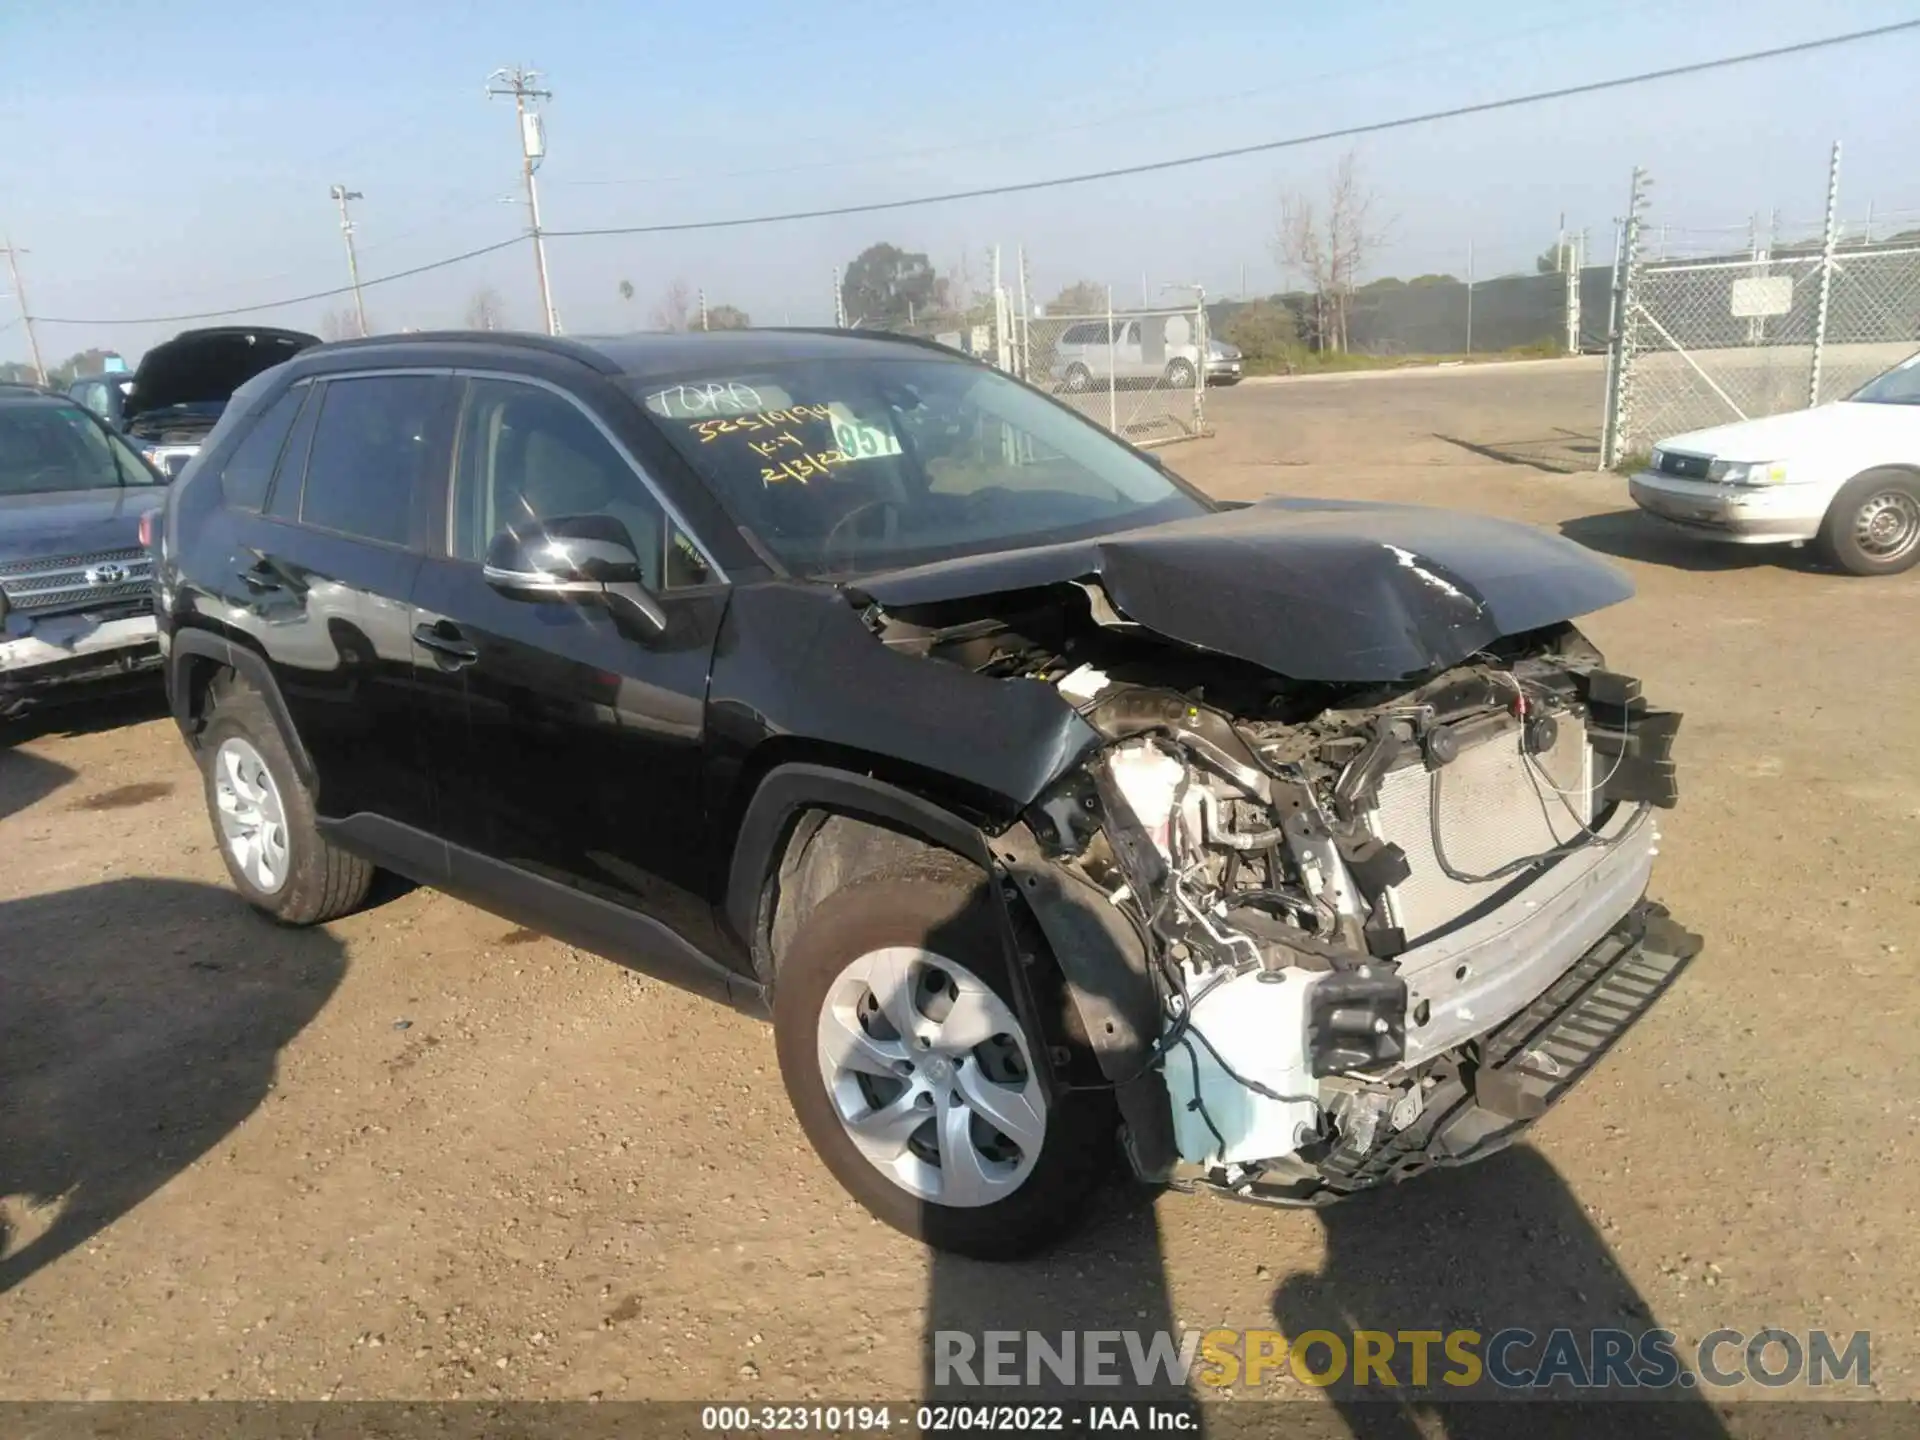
[1707,341]
[1140,373]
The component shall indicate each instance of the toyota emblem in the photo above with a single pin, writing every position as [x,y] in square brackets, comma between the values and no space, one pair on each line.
[110,573]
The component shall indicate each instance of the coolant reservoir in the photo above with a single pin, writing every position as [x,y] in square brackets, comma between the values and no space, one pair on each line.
[1258,1023]
[1149,778]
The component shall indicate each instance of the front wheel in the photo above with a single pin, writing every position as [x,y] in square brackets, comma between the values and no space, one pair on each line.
[1077,380]
[916,1081]
[1180,374]
[1873,525]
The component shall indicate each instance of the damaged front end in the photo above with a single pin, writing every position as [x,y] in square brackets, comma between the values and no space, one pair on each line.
[1323,935]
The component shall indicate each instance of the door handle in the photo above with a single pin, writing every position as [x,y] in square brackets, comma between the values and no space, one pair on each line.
[444,639]
[260,578]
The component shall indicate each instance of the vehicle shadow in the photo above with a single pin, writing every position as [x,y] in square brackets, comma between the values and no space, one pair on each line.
[142,1023]
[1630,535]
[26,780]
[1499,1245]
[105,706]
[1111,1276]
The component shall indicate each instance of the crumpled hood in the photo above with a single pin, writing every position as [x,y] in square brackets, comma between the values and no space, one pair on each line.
[207,366]
[49,527]
[1311,589]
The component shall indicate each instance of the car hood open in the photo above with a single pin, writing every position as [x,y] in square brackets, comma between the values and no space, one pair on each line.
[207,366]
[1311,589]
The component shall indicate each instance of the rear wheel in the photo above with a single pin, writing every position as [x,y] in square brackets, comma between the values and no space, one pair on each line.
[1873,525]
[914,1077]
[263,817]
[1180,374]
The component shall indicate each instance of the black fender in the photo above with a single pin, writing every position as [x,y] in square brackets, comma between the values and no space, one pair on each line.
[788,791]
[250,665]
[1103,961]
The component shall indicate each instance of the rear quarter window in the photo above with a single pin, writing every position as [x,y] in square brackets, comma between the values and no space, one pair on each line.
[249,469]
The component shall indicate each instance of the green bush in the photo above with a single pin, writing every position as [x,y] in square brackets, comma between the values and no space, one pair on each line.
[1267,337]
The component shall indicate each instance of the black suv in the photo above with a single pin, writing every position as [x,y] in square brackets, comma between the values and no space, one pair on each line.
[1042,802]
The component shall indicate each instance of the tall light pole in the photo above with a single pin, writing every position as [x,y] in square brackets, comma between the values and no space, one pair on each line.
[341,195]
[26,320]
[523,85]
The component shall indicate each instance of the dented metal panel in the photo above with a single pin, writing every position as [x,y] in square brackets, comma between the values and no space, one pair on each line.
[1310,589]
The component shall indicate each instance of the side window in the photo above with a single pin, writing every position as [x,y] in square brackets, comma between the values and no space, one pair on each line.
[371,447]
[249,469]
[529,454]
[284,501]
[1133,333]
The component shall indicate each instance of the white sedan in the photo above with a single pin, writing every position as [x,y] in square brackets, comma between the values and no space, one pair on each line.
[1845,476]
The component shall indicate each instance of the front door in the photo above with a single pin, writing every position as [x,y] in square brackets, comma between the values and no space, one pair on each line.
[578,758]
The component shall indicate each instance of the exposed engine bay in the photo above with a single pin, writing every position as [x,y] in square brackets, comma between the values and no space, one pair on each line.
[1341,891]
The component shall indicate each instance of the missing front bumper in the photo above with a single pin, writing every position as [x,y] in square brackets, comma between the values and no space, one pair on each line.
[1518,1071]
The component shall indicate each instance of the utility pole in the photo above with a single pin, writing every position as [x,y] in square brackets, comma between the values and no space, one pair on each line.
[703,307]
[523,85]
[26,320]
[341,195]
[1469,297]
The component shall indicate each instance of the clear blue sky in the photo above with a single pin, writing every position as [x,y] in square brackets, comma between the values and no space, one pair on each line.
[173,157]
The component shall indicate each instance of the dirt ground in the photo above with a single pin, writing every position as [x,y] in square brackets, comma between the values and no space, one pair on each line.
[423,1154]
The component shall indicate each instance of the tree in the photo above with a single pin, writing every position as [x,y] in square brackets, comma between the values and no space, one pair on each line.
[1329,243]
[675,305]
[1083,297]
[626,291]
[885,285]
[728,317]
[486,310]
[86,362]
[1265,334]
[341,324]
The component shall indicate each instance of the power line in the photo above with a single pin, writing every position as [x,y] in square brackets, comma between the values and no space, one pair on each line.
[983,192]
[1104,122]
[291,299]
[1456,112]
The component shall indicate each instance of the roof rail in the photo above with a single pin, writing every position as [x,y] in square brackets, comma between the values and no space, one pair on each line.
[552,344]
[923,341]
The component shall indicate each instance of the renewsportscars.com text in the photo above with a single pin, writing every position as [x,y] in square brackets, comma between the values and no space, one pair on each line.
[1509,1359]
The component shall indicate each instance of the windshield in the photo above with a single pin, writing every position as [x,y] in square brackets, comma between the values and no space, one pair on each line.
[46,448]
[843,465]
[1899,386]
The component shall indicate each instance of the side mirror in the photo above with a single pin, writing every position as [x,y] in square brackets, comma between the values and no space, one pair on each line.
[578,558]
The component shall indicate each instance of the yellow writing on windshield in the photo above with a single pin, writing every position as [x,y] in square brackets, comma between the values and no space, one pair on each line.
[801,468]
[711,430]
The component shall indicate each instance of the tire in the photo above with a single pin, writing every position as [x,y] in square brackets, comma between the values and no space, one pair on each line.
[287,870]
[1873,525]
[1077,380]
[1033,1194]
[1180,374]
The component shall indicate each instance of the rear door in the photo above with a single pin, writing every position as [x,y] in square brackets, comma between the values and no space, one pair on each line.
[574,780]
[325,569]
